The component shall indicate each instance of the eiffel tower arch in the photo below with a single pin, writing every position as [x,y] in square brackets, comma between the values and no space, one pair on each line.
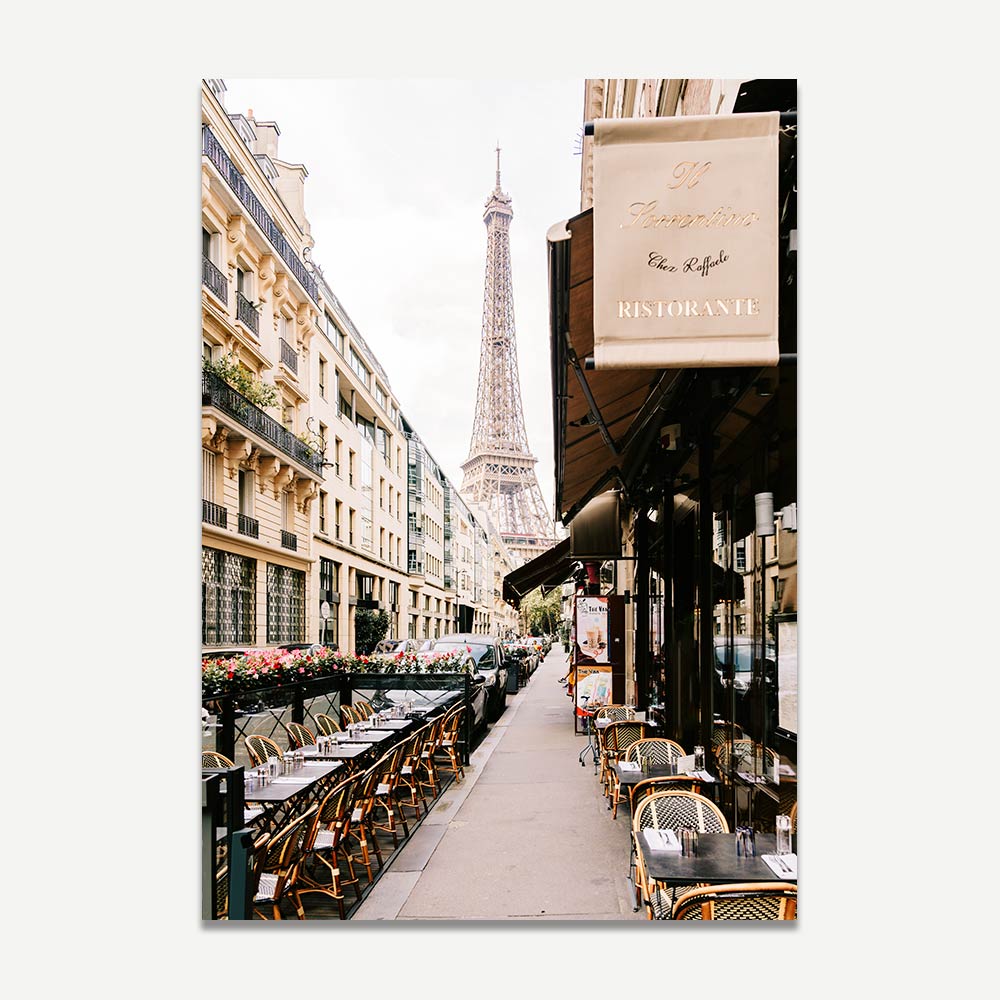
[499,473]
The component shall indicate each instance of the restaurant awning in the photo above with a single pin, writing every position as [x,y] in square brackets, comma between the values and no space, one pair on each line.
[550,569]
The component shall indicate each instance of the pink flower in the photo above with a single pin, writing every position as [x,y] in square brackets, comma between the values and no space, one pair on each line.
[302,670]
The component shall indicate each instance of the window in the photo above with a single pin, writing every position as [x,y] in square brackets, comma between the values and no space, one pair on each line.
[329,590]
[322,511]
[381,543]
[393,594]
[336,455]
[350,467]
[741,556]
[381,492]
[336,521]
[228,598]
[345,407]
[208,475]
[286,620]
[246,492]
[350,526]
[207,350]
[322,377]
[288,417]
[360,368]
[379,395]
[323,436]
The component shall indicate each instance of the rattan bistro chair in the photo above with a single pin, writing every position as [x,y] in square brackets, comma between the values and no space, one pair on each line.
[672,810]
[664,783]
[211,759]
[298,735]
[409,772]
[426,772]
[390,768]
[618,737]
[361,829]
[448,747]
[348,715]
[261,748]
[328,725]
[738,901]
[658,749]
[743,750]
[278,868]
[320,871]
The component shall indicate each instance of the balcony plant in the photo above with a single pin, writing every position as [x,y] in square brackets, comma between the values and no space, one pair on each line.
[232,371]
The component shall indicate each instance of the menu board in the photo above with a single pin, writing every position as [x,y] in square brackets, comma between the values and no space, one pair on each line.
[591,645]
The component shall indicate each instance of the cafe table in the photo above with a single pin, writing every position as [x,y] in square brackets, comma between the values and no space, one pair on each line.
[629,777]
[372,737]
[716,861]
[287,794]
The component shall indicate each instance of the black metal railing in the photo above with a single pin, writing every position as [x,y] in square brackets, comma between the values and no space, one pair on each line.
[212,148]
[248,526]
[213,513]
[289,541]
[215,281]
[216,391]
[264,710]
[288,356]
[246,313]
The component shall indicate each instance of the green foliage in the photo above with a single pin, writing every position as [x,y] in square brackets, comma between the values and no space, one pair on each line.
[370,628]
[243,380]
[541,614]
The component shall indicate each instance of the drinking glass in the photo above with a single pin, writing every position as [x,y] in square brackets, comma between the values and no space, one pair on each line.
[783,834]
[689,842]
[699,758]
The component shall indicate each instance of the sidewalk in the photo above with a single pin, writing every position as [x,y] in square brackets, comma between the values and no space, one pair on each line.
[525,836]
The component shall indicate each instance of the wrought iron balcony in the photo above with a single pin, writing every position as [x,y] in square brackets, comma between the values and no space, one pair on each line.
[215,281]
[212,148]
[289,541]
[213,513]
[246,313]
[249,526]
[288,356]
[215,391]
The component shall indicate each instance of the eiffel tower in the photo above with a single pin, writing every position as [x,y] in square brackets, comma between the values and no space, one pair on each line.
[499,473]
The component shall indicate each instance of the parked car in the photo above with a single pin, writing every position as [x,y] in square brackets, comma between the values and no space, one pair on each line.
[310,647]
[491,664]
[388,648]
[746,687]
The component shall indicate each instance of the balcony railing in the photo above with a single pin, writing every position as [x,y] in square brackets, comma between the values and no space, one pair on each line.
[215,391]
[288,356]
[289,541]
[212,148]
[246,313]
[249,526]
[213,513]
[214,280]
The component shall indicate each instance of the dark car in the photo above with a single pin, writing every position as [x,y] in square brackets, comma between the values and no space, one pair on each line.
[746,679]
[491,663]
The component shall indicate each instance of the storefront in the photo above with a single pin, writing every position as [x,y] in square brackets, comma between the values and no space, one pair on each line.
[697,445]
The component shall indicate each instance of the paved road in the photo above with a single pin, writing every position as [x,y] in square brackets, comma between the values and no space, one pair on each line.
[526,835]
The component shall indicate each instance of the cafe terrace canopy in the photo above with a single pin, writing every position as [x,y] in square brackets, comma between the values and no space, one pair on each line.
[549,569]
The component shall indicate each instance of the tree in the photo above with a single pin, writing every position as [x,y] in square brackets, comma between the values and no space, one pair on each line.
[540,613]
[370,628]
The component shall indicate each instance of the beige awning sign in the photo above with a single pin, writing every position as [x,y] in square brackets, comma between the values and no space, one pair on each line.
[686,241]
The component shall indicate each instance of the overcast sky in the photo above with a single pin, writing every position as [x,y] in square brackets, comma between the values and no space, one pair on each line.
[399,172]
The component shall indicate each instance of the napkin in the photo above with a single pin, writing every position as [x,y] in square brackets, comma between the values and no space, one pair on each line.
[628,765]
[661,840]
[703,775]
[790,861]
[289,781]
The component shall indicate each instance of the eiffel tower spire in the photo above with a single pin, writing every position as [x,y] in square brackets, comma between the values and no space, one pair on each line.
[499,473]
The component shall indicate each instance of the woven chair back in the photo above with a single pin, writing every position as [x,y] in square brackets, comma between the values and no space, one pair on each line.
[348,715]
[363,709]
[721,733]
[744,750]
[616,713]
[453,723]
[285,849]
[336,806]
[677,809]
[327,724]
[657,748]
[299,735]
[739,901]
[209,758]
[619,736]
[665,783]
[261,747]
